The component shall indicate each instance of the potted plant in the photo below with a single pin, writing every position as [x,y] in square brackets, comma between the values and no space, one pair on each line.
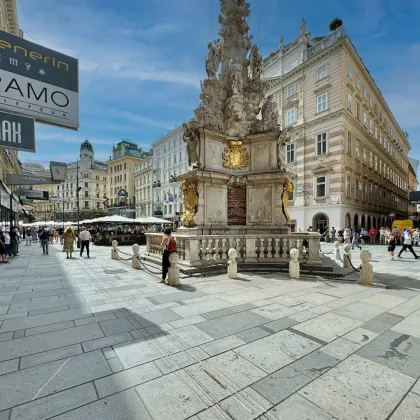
[335,24]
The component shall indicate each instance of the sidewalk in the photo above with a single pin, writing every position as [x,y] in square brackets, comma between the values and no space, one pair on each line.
[95,339]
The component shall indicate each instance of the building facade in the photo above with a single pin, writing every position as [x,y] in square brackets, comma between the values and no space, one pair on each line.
[412,184]
[126,155]
[86,173]
[9,162]
[143,184]
[342,145]
[169,162]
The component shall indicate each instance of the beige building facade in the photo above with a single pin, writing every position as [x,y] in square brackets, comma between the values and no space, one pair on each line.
[126,155]
[346,152]
[86,173]
[413,184]
[143,184]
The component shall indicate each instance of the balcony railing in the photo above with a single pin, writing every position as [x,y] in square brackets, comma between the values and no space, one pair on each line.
[326,42]
[264,248]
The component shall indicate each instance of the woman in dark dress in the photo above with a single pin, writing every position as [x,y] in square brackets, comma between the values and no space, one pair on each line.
[391,245]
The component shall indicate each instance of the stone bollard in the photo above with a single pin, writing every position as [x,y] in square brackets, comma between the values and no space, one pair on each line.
[232,264]
[173,270]
[366,269]
[135,259]
[347,256]
[114,251]
[337,251]
[294,267]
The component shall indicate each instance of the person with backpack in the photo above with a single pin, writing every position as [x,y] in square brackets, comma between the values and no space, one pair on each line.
[407,240]
[168,246]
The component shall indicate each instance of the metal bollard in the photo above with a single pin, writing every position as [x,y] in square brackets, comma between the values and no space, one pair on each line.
[114,251]
[232,264]
[135,259]
[294,266]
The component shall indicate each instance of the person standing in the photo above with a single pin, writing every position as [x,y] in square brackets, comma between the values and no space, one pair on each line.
[347,235]
[14,242]
[3,251]
[44,237]
[7,243]
[382,236]
[355,240]
[407,241]
[372,235]
[333,232]
[68,239]
[168,246]
[84,238]
[392,242]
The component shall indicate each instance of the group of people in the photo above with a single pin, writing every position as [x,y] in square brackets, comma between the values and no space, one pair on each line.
[357,237]
[406,240]
[10,238]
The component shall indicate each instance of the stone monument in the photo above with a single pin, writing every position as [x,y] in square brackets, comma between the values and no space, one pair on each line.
[236,182]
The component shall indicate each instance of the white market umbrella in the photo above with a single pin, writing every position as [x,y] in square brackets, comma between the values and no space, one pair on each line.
[155,220]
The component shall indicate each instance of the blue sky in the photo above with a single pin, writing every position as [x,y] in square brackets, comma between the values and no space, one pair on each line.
[141,60]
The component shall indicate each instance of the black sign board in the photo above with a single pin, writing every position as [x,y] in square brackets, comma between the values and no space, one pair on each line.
[236,206]
[414,197]
[17,132]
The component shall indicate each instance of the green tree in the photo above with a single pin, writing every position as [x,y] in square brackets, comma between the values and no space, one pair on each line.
[335,23]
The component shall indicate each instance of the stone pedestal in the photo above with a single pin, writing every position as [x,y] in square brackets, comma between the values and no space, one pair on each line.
[135,259]
[232,264]
[238,200]
[173,270]
[366,269]
[114,250]
[347,256]
[337,251]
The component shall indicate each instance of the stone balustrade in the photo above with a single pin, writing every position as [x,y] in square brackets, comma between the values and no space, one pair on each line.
[264,248]
[325,42]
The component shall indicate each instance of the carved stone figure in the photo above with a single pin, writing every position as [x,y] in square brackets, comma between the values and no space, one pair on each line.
[284,135]
[213,58]
[303,27]
[281,43]
[189,192]
[294,268]
[270,115]
[255,63]
[191,139]
[236,76]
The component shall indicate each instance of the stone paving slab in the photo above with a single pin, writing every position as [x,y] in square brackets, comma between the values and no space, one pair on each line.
[78,343]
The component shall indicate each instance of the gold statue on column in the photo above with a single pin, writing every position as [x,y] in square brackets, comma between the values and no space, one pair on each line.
[287,188]
[189,192]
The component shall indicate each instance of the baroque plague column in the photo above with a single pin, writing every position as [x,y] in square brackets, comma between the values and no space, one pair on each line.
[236,183]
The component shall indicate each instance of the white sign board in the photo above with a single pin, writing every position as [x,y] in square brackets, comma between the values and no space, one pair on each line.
[33,167]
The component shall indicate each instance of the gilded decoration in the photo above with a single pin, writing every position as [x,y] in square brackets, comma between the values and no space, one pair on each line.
[287,188]
[189,191]
[234,156]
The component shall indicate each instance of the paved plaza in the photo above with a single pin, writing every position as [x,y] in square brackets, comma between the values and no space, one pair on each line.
[94,339]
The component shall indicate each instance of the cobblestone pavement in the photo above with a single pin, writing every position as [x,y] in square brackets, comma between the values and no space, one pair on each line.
[94,339]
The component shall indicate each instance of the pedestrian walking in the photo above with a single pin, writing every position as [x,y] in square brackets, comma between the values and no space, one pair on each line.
[392,242]
[68,239]
[355,240]
[168,246]
[84,238]
[28,236]
[382,236]
[332,233]
[44,237]
[407,244]
[347,235]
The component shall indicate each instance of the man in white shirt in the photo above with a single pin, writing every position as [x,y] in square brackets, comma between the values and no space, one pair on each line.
[406,240]
[84,237]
